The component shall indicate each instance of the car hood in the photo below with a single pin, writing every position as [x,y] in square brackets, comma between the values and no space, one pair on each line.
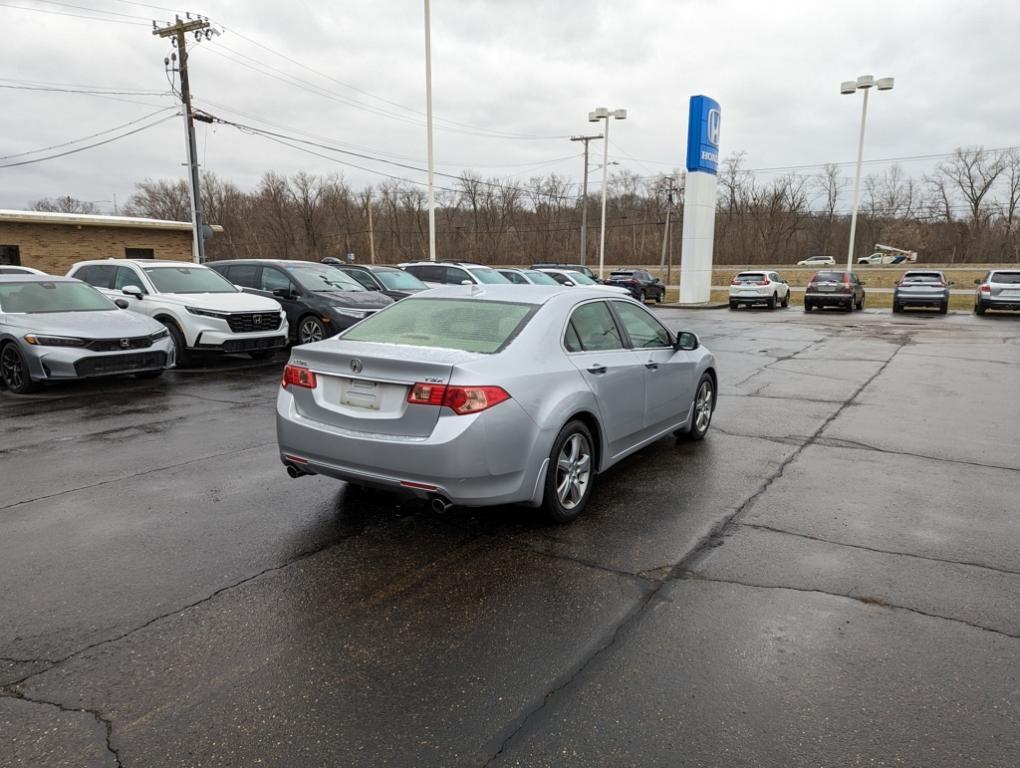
[89,325]
[359,299]
[222,302]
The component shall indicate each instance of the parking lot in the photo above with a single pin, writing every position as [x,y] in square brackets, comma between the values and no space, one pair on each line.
[829,579]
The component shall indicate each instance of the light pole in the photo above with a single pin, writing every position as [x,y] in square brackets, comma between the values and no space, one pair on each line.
[601,113]
[428,132]
[847,88]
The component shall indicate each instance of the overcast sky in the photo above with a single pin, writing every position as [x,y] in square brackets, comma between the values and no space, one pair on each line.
[506,69]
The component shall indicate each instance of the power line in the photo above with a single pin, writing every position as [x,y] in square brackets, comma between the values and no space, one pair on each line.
[93,10]
[90,91]
[90,146]
[86,138]
[73,15]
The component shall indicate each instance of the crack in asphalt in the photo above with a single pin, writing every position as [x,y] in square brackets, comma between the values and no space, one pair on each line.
[866,599]
[876,550]
[838,442]
[133,475]
[677,571]
[103,720]
[779,359]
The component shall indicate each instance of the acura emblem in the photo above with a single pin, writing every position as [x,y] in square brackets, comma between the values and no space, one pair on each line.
[356,365]
[125,343]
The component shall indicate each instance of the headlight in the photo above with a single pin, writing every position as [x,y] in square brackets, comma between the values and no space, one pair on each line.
[162,333]
[207,313]
[54,341]
[348,312]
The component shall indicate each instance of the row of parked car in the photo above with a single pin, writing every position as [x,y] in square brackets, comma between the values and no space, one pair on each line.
[124,316]
[998,289]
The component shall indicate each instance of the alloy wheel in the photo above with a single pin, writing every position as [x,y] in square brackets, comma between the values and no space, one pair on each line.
[573,470]
[310,330]
[11,368]
[703,406]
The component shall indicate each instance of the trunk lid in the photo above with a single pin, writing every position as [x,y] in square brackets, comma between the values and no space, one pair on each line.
[363,387]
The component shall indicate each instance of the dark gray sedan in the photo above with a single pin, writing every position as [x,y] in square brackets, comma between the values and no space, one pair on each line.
[59,328]
[922,288]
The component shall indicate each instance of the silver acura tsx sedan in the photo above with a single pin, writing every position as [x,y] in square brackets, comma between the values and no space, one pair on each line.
[60,328]
[481,395]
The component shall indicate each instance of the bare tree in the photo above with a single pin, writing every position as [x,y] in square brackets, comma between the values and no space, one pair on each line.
[65,204]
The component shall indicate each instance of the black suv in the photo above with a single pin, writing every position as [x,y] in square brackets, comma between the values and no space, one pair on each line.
[834,289]
[319,300]
[390,281]
[641,284]
[572,267]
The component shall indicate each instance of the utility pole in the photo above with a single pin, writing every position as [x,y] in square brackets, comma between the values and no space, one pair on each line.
[584,196]
[371,232]
[428,130]
[177,32]
[665,233]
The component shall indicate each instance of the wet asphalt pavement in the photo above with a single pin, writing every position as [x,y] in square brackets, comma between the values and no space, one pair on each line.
[832,578]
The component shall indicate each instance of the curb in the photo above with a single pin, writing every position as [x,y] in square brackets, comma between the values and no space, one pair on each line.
[708,305]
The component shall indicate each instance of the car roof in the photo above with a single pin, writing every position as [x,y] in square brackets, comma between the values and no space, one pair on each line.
[520,294]
[437,262]
[369,267]
[138,262]
[276,262]
[37,279]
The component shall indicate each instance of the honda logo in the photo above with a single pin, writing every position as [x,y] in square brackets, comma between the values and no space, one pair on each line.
[713,127]
[256,320]
[125,343]
[356,365]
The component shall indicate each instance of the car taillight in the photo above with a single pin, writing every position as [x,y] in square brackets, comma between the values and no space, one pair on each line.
[986,288]
[297,376]
[460,400]
[763,282]
[734,281]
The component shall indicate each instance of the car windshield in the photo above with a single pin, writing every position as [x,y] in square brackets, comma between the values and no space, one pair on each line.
[188,280]
[1012,278]
[539,278]
[579,278]
[922,277]
[467,325]
[323,279]
[488,276]
[399,280]
[828,277]
[48,296]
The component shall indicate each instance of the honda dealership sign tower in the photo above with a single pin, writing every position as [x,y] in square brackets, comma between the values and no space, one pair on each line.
[699,201]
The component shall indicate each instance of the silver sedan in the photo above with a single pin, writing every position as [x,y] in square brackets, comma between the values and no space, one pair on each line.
[475,395]
[60,328]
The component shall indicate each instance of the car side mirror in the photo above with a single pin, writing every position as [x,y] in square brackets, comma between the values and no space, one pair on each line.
[121,303]
[569,283]
[372,287]
[132,290]
[655,279]
[466,282]
[686,341]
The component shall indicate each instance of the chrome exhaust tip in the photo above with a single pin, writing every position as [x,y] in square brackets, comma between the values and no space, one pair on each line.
[440,505]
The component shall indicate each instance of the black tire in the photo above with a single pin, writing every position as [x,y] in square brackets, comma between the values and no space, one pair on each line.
[309,329]
[860,304]
[808,306]
[786,300]
[181,353]
[979,308]
[150,374]
[660,296]
[564,508]
[701,420]
[641,296]
[896,308]
[14,371]
[944,308]
[772,301]
[734,305]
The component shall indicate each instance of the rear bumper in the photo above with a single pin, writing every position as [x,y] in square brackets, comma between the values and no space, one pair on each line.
[925,300]
[495,457]
[821,299]
[993,302]
[62,363]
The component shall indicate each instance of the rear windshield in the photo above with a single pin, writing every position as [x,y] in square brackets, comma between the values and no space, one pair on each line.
[45,296]
[923,277]
[829,277]
[488,276]
[464,324]
[754,276]
[1005,277]
[622,273]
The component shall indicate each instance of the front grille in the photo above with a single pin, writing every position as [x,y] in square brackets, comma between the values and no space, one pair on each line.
[253,322]
[253,345]
[114,345]
[113,364]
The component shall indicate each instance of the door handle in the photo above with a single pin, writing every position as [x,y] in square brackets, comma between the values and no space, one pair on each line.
[597,369]
[652,365]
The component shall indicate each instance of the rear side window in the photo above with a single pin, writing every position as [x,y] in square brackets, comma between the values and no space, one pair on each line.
[595,328]
[363,278]
[97,275]
[1012,278]
[430,273]
[467,325]
[245,275]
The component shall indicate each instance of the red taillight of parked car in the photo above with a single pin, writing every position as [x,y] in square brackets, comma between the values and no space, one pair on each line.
[297,376]
[763,282]
[460,400]
[986,288]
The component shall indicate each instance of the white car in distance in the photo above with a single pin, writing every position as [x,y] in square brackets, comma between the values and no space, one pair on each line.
[817,261]
[203,311]
[569,277]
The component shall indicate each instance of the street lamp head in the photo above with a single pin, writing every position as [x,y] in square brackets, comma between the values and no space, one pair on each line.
[865,81]
[884,84]
[593,118]
[619,114]
[848,87]
[600,112]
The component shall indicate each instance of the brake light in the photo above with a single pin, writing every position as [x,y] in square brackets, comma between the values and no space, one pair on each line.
[297,376]
[734,281]
[460,400]
[986,288]
[763,282]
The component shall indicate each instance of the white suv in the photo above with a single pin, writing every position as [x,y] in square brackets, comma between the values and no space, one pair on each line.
[763,287]
[200,308]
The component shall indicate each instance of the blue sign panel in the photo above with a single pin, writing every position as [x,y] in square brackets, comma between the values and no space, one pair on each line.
[703,135]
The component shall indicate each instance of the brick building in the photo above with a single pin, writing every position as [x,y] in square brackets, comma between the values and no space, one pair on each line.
[53,242]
